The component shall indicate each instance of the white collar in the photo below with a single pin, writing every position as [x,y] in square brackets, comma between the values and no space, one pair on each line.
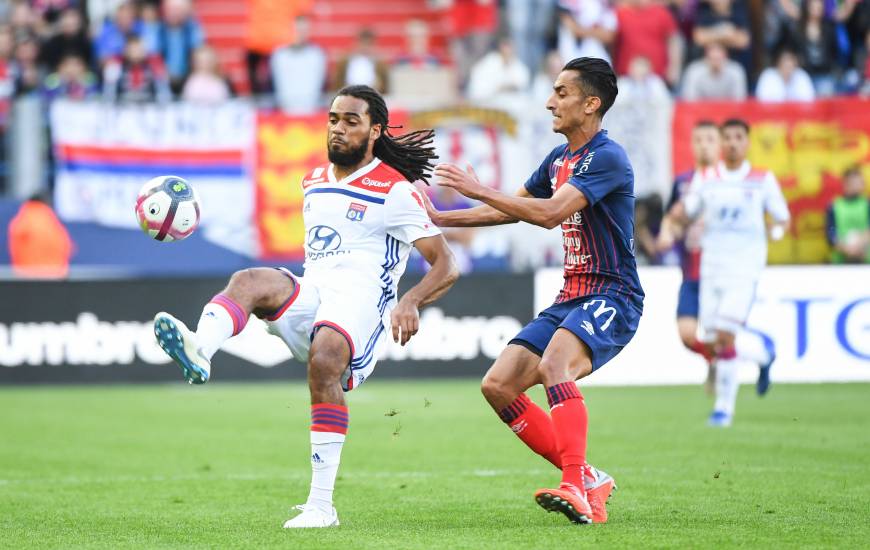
[330,172]
[739,173]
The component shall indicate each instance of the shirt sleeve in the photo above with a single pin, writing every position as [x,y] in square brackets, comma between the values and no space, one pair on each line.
[538,185]
[406,218]
[598,174]
[774,202]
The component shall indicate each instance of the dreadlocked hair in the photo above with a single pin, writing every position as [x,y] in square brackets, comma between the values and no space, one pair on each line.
[410,153]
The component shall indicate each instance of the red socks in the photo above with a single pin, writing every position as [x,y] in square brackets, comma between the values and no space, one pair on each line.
[326,417]
[533,426]
[570,424]
[237,314]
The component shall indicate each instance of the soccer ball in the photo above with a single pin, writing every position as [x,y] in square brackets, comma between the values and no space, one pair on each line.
[167,208]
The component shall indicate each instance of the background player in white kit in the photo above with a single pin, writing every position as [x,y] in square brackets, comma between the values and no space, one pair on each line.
[734,200]
[361,218]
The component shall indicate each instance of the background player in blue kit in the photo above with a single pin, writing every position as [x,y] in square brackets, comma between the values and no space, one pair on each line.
[587,186]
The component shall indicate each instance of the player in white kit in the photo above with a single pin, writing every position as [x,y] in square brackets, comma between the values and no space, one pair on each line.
[734,200]
[362,216]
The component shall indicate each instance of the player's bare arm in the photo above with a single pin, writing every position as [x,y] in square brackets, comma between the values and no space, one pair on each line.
[673,227]
[479,216]
[546,213]
[405,318]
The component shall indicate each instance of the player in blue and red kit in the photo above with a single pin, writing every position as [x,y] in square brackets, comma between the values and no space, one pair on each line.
[587,187]
[687,238]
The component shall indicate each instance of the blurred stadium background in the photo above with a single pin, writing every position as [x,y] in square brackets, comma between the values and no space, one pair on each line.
[98,96]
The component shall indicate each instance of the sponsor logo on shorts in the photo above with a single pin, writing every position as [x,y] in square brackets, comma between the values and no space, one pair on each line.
[587,326]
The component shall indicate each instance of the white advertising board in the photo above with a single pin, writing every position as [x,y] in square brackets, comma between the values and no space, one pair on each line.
[818,316]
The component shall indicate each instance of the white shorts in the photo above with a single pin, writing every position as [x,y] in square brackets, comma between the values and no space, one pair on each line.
[725,305]
[359,314]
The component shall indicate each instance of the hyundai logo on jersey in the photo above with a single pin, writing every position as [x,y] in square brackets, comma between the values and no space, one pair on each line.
[322,238]
[356,212]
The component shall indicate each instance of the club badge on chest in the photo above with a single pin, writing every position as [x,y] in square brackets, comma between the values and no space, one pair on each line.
[355,212]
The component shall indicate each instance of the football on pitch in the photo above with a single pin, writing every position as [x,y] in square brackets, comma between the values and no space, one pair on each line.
[167,208]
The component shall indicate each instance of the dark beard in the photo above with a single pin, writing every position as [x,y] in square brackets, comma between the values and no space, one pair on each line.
[347,159]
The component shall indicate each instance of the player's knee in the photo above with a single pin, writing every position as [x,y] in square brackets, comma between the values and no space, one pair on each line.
[550,369]
[243,282]
[492,387]
[325,366]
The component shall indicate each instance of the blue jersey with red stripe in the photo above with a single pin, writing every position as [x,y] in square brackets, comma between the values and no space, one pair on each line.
[689,247]
[599,239]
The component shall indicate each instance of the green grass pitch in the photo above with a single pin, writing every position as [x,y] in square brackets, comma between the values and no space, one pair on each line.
[426,465]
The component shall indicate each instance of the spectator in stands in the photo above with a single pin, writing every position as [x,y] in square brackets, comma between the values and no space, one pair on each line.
[72,80]
[50,11]
[646,28]
[815,39]
[26,72]
[25,22]
[39,244]
[641,84]
[417,52]
[472,24]
[714,77]
[271,24]
[152,28]
[296,94]
[206,83]
[529,22]
[7,79]
[725,22]
[542,84]
[137,76]
[113,35]
[460,238]
[71,39]
[587,28]
[787,81]
[864,68]
[363,66]
[180,35]
[648,212]
[848,221]
[499,74]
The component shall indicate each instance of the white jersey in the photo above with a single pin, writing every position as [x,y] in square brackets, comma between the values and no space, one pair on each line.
[733,205]
[359,230]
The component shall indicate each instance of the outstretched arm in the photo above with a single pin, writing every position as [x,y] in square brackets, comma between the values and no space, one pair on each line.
[405,318]
[543,212]
[479,216]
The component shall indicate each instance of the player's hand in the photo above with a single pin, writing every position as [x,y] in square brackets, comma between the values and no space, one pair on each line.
[433,213]
[405,321]
[465,182]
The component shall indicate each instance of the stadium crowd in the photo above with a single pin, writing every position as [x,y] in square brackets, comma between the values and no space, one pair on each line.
[153,50]
[158,51]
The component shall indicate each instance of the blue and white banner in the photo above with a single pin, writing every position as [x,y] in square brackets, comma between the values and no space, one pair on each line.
[104,153]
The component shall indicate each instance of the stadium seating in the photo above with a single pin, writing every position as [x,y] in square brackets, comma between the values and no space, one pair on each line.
[335,24]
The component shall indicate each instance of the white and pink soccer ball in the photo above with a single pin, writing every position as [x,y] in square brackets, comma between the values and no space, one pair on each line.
[167,208]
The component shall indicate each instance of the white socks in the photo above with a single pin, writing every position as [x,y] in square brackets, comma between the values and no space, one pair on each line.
[325,458]
[726,385]
[749,345]
[215,327]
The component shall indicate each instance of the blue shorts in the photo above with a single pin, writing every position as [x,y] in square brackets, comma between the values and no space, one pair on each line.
[688,302]
[604,322]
